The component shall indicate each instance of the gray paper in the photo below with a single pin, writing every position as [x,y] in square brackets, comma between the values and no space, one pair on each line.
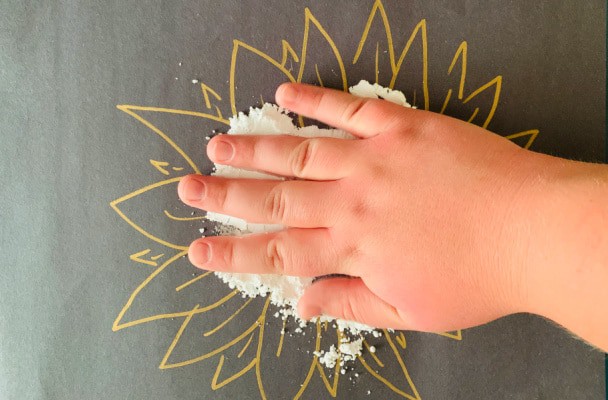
[95,299]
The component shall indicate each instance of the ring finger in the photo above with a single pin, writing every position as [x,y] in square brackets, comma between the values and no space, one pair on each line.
[292,252]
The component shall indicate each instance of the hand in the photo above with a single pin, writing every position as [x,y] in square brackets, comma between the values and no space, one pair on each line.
[418,211]
[440,224]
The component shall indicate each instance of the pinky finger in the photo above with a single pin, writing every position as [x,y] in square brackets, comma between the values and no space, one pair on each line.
[351,300]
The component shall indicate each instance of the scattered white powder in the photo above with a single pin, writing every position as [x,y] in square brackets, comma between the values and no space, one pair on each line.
[328,358]
[285,291]
[350,349]
[366,89]
[346,352]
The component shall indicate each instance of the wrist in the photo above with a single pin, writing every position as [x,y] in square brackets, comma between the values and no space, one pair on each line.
[565,265]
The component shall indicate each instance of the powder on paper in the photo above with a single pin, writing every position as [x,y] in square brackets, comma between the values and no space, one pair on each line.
[285,291]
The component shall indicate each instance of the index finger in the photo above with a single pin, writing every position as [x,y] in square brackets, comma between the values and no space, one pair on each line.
[363,117]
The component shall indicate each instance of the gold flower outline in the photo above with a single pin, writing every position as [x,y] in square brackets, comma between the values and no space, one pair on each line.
[250,338]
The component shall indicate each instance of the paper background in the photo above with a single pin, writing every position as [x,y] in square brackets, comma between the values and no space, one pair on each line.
[68,152]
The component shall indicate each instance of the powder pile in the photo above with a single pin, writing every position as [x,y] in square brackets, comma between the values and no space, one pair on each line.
[285,291]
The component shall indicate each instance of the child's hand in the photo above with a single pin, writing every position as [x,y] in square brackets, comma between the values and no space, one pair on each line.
[431,215]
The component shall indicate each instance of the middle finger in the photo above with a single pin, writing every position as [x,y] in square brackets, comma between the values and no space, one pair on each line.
[301,204]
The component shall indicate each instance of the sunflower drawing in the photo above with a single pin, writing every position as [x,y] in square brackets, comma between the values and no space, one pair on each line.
[242,335]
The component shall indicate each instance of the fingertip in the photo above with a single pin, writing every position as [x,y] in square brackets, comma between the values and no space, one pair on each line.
[191,188]
[211,147]
[199,253]
[181,187]
[287,93]
[307,310]
[220,149]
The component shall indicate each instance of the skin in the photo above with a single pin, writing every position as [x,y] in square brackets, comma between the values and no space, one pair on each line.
[438,223]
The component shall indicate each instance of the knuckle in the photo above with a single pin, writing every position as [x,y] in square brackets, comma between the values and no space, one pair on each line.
[301,157]
[354,109]
[226,249]
[316,100]
[220,195]
[402,317]
[349,309]
[364,208]
[275,255]
[254,153]
[415,124]
[359,209]
[396,121]
[352,255]
[276,204]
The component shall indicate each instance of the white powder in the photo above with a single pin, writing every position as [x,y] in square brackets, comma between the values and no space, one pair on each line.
[375,91]
[285,291]
[348,350]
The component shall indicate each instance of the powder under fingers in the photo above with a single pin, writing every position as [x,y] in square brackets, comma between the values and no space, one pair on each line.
[285,291]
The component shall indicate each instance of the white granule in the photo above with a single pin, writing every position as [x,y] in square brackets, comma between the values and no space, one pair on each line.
[350,349]
[285,291]
[329,357]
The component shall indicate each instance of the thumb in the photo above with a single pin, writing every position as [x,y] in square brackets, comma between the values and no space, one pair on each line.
[351,300]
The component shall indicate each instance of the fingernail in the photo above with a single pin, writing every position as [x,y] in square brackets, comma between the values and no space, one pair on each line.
[287,93]
[193,189]
[223,151]
[199,253]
